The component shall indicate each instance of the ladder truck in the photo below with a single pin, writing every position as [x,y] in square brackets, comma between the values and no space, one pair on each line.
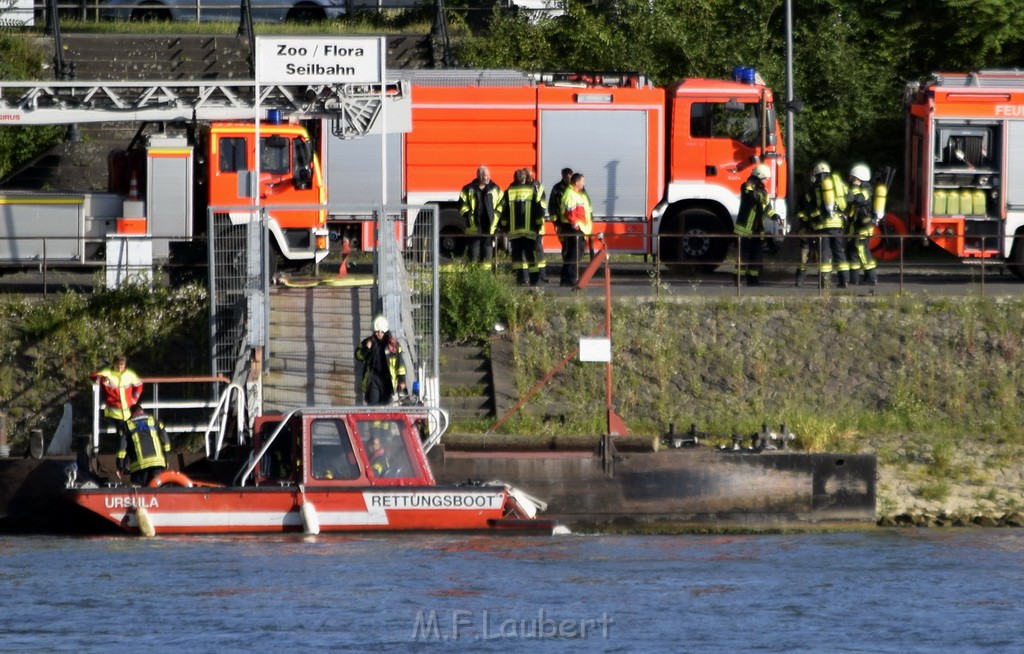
[201,161]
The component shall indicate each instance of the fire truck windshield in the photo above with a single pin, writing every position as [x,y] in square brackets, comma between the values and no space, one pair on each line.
[274,155]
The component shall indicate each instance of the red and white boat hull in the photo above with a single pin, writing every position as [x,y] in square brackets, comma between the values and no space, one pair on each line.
[207,510]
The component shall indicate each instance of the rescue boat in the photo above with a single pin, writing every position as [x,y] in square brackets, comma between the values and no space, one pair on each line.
[312,470]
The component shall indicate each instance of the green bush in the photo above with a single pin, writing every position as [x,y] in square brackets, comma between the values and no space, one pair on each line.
[473,301]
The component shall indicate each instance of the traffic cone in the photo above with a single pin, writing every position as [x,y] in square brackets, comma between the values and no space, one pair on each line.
[346,250]
[133,187]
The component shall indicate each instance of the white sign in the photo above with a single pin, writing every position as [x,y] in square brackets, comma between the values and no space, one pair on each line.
[318,60]
[595,349]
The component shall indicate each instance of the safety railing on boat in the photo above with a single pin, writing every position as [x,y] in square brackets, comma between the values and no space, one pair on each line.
[182,404]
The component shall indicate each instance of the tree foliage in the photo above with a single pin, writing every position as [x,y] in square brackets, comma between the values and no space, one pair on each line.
[20,60]
[852,59]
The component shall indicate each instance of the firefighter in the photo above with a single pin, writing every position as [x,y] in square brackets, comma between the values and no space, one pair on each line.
[557,211]
[122,388]
[828,222]
[861,217]
[149,447]
[579,219]
[804,213]
[541,198]
[522,218]
[380,463]
[480,205]
[383,368]
[755,210]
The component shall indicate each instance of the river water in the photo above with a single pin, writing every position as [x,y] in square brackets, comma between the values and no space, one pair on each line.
[874,591]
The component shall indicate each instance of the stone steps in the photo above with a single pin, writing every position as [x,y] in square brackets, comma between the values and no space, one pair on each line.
[313,335]
[467,391]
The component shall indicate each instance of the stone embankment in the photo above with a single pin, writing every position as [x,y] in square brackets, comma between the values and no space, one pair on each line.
[983,487]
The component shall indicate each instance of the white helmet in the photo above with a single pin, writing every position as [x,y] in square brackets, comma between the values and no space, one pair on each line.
[380,324]
[822,168]
[762,171]
[861,172]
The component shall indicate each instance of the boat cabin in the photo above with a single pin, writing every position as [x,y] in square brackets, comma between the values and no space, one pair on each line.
[331,447]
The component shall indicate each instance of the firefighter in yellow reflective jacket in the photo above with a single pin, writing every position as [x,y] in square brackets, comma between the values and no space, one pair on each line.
[149,445]
[827,220]
[755,210]
[480,206]
[860,214]
[122,388]
[541,197]
[522,218]
[578,214]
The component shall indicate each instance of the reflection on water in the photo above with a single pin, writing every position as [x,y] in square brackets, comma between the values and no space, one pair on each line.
[898,591]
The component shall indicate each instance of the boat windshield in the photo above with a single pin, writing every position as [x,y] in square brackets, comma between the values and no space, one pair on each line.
[331,455]
[386,448]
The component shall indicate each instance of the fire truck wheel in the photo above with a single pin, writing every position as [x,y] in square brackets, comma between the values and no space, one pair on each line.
[150,11]
[692,240]
[305,12]
[452,234]
[1017,256]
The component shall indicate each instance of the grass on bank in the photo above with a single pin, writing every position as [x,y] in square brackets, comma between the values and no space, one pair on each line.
[830,369]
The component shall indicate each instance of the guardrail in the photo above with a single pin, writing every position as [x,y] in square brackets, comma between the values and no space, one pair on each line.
[23,12]
[908,255]
[177,410]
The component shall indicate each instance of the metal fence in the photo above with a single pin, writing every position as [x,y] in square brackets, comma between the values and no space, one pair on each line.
[908,258]
[904,261]
[238,284]
[406,270]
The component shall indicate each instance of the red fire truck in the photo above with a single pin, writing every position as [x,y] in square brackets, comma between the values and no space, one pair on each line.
[664,166]
[965,163]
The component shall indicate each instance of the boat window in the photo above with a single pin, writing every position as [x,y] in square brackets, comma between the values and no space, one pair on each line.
[276,464]
[385,448]
[331,455]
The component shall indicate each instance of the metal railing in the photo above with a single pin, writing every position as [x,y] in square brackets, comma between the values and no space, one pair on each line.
[177,410]
[191,10]
[907,258]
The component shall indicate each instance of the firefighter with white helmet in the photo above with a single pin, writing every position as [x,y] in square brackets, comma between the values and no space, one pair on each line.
[860,215]
[383,368]
[825,208]
[755,211]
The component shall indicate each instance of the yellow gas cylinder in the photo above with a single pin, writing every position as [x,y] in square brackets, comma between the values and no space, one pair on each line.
[979,201]
[952,203]
[939,202]
[966,201]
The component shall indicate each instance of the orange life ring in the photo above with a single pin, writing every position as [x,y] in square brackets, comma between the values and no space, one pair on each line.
[170,478]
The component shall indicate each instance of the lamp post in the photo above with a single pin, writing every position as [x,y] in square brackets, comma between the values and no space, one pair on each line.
[790,111]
